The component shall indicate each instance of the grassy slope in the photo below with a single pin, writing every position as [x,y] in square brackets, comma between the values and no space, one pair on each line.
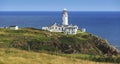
[16,56]
[42,40]
[32,39]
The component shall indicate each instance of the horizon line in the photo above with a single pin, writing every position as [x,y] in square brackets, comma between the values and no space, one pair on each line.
[58,11]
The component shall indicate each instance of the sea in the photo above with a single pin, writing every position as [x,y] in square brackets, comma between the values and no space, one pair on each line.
[103,24]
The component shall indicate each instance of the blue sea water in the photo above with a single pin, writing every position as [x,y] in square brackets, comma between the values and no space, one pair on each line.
[103,24]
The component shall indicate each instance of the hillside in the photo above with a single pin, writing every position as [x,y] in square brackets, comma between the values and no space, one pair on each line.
[33,39]
[36,40]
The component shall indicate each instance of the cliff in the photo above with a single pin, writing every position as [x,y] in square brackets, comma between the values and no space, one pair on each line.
[38,40]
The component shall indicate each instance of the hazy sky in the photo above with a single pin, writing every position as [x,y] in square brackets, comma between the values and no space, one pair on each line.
[58,5]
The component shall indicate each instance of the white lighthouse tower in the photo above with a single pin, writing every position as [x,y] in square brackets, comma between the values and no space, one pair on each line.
[65,17]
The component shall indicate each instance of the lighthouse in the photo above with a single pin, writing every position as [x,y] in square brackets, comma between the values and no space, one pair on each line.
[65,17]
[64,27]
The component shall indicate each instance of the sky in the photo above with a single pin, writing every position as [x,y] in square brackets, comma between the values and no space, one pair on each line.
[58,5]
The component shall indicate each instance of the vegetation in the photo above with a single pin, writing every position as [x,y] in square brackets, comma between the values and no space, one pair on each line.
[16,56]
[96,58]
[80,46]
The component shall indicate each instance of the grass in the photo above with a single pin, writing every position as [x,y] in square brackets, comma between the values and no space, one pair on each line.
[7,35]
[96,58]
[16,56]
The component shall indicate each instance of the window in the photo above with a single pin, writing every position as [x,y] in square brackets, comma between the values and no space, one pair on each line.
[62,28]
[59,28]
[55,27]
[73,32]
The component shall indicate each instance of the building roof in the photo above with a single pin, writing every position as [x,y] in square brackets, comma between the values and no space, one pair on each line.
[70,27]
[66,26]
[13,26]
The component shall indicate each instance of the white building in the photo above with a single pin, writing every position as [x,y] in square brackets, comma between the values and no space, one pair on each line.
[71,29]
[83,30]
[13,27]
[65,27]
